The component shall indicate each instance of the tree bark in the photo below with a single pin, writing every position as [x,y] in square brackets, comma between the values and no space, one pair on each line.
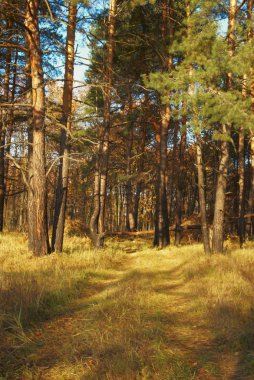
[97,225]
[241,176]
[219,207]
[250,220]
[39,191]
[161,234]
[180,183]
[3,129]
[63,175]
[129,201]
[199,154]
[202,198]
[140,183]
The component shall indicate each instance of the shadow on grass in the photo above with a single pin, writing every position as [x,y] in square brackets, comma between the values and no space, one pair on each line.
[140,325]
[109,329]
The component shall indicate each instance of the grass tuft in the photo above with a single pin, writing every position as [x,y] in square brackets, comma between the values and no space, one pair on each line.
[125,312]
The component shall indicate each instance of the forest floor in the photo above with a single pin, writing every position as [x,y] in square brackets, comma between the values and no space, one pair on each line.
[128,312]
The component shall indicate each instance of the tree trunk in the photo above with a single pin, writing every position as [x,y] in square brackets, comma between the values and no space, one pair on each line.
[202,198]
[62,185]
[3,128]
[250,220]
[40,228]
[140,183]
[241,175]
[129,201]
[97,225]
[219,207]
[161,234]
[180,183]
[10,123]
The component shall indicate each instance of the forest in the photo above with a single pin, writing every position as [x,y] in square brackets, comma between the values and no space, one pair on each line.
[126,189]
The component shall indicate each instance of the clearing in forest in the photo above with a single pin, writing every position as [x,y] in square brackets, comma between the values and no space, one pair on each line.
[128,312]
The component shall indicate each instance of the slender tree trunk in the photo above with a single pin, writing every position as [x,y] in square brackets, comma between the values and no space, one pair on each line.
[219,207]
[30,196]
[2,181]
[251,194]
[161,235]
[199,155]
[161,238]
[129,195]
[40,228]
[250,219]
[241,176]
[3,128]
[140,183]
[10,123]
[62,185]
[129,201]
[97,225]
[202,198]
[180,183]
[241,148]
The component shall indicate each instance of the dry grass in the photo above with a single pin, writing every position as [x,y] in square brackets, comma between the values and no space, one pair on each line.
[128,312]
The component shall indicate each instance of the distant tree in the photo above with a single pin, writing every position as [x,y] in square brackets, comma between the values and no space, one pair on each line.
[97,222]
[63,176]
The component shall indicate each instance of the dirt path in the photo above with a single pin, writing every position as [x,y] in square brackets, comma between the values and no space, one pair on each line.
[141,322]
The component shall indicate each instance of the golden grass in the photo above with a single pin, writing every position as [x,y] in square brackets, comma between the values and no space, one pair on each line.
[127,312]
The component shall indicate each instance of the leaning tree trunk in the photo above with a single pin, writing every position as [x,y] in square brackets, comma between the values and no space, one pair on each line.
[97,222]
[40,228]
[219,207]
[62,184]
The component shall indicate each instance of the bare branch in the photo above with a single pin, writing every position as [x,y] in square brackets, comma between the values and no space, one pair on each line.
[20,168]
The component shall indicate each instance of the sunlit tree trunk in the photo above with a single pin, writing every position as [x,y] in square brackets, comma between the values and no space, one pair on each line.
[39,191]
[250,219]
[97,225]
[62,185]
[219,207]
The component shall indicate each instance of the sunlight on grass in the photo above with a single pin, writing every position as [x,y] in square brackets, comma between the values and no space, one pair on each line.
[126,312]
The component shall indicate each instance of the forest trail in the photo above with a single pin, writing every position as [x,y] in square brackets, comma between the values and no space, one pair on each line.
[146,319]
